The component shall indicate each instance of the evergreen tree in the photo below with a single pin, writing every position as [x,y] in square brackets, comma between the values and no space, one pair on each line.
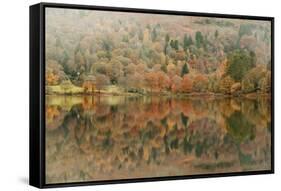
[172,44]
[185,42]
[199,39]
[167,38]
[239,63]
[216,34]
[176,44]
[154,35]
[184,70]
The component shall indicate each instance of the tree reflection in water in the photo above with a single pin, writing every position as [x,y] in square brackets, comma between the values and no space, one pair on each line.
[114,137]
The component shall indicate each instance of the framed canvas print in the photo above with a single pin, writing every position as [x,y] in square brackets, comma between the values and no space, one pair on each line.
[127,95]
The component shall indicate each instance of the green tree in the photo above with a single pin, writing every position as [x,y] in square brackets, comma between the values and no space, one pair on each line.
[199,39]
[187,41]
[176,44]
[239,63]
[164,68]
[154,35]
[184,70]
[167,40]
[244,29]
[190,41]
[216,34]
[172,44]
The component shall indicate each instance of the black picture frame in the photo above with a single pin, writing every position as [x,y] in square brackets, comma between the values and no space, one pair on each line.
[37,94]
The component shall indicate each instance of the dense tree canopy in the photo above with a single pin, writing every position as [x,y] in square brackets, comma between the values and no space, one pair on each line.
[239,63]
[140,52]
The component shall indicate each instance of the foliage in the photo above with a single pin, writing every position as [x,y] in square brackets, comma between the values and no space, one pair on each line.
[257,79]
[200,83]
[216,34]
[239,63]
[136,54]
[186,84]
[244,29]
[199,39]
[187,42]
[226,84]
[184,70]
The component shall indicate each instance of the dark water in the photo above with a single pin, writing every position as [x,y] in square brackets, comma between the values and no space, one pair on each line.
[101,138]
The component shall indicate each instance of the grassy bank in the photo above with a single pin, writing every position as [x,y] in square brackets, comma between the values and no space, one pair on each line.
[117,91]
[61,90]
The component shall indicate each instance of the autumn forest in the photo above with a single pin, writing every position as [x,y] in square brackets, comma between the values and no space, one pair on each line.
[94,52]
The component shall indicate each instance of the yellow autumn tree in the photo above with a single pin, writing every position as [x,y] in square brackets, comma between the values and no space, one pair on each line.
[225,84]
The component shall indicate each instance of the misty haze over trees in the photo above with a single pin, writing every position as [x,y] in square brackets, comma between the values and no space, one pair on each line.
[91,52]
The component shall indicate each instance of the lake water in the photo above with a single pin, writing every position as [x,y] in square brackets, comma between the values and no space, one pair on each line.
[115,137]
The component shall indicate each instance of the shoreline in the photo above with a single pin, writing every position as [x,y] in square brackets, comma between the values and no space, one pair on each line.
[169,95]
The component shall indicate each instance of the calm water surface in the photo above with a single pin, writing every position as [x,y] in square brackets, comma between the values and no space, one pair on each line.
[114,137]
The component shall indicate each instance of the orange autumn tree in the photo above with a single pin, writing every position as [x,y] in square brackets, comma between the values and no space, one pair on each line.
[186,84]
[171,70]
[176,83]
[163,81]
[157,81]
[150,80]
[200,83]
[51,78]
[54,72]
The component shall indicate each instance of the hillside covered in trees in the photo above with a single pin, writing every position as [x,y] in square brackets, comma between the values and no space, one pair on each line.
[91,52]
